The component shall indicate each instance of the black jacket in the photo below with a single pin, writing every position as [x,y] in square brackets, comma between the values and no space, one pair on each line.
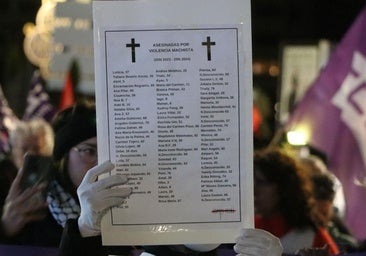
[44,233]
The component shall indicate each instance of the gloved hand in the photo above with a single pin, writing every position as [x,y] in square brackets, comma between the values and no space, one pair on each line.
[96,196]
[257,242]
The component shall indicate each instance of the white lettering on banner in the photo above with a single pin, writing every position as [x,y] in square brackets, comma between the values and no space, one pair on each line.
[350,98]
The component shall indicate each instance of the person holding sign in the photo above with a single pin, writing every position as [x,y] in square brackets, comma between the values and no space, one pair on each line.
[82,237]
[81,234]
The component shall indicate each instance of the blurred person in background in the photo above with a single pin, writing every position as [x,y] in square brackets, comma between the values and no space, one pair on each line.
[74,153]
[34,137]
[324,193]
[316,164]
[29,137]
[77,199]
[284,203]
[330,201]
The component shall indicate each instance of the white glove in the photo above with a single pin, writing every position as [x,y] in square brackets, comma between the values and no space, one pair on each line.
[96,196]
[257,242]
[146,254]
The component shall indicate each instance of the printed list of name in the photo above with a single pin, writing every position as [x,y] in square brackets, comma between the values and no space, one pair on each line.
[174,126]
[172,119]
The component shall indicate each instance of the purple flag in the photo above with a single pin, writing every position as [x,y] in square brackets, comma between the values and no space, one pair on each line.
[8,121]
[333,113]
[38,101]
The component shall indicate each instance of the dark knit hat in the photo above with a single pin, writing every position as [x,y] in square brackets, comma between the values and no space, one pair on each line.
[72,126]
[323,186]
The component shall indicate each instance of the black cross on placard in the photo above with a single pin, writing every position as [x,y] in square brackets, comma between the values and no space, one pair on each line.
[208,43]
[133,46]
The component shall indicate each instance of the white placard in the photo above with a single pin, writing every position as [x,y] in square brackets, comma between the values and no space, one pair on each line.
[174,104]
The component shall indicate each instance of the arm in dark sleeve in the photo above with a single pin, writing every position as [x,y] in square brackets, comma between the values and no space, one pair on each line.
[72,243]
[3,238]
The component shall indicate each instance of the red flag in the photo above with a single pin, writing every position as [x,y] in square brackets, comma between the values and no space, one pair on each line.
[257,120]
[67,96]
[333,114]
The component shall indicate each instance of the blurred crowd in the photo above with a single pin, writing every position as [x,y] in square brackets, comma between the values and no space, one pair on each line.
[298,202]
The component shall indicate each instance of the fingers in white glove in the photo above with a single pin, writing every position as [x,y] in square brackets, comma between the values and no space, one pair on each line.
[96,196]
[93,173]
[254,242]
[111,197]
[146,254]
[105,193]
[115,192]
[110,181]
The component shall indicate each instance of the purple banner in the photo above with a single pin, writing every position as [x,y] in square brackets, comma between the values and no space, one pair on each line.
[333,111]
[38,102]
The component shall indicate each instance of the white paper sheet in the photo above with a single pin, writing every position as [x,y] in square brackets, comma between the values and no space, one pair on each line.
[174,106]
